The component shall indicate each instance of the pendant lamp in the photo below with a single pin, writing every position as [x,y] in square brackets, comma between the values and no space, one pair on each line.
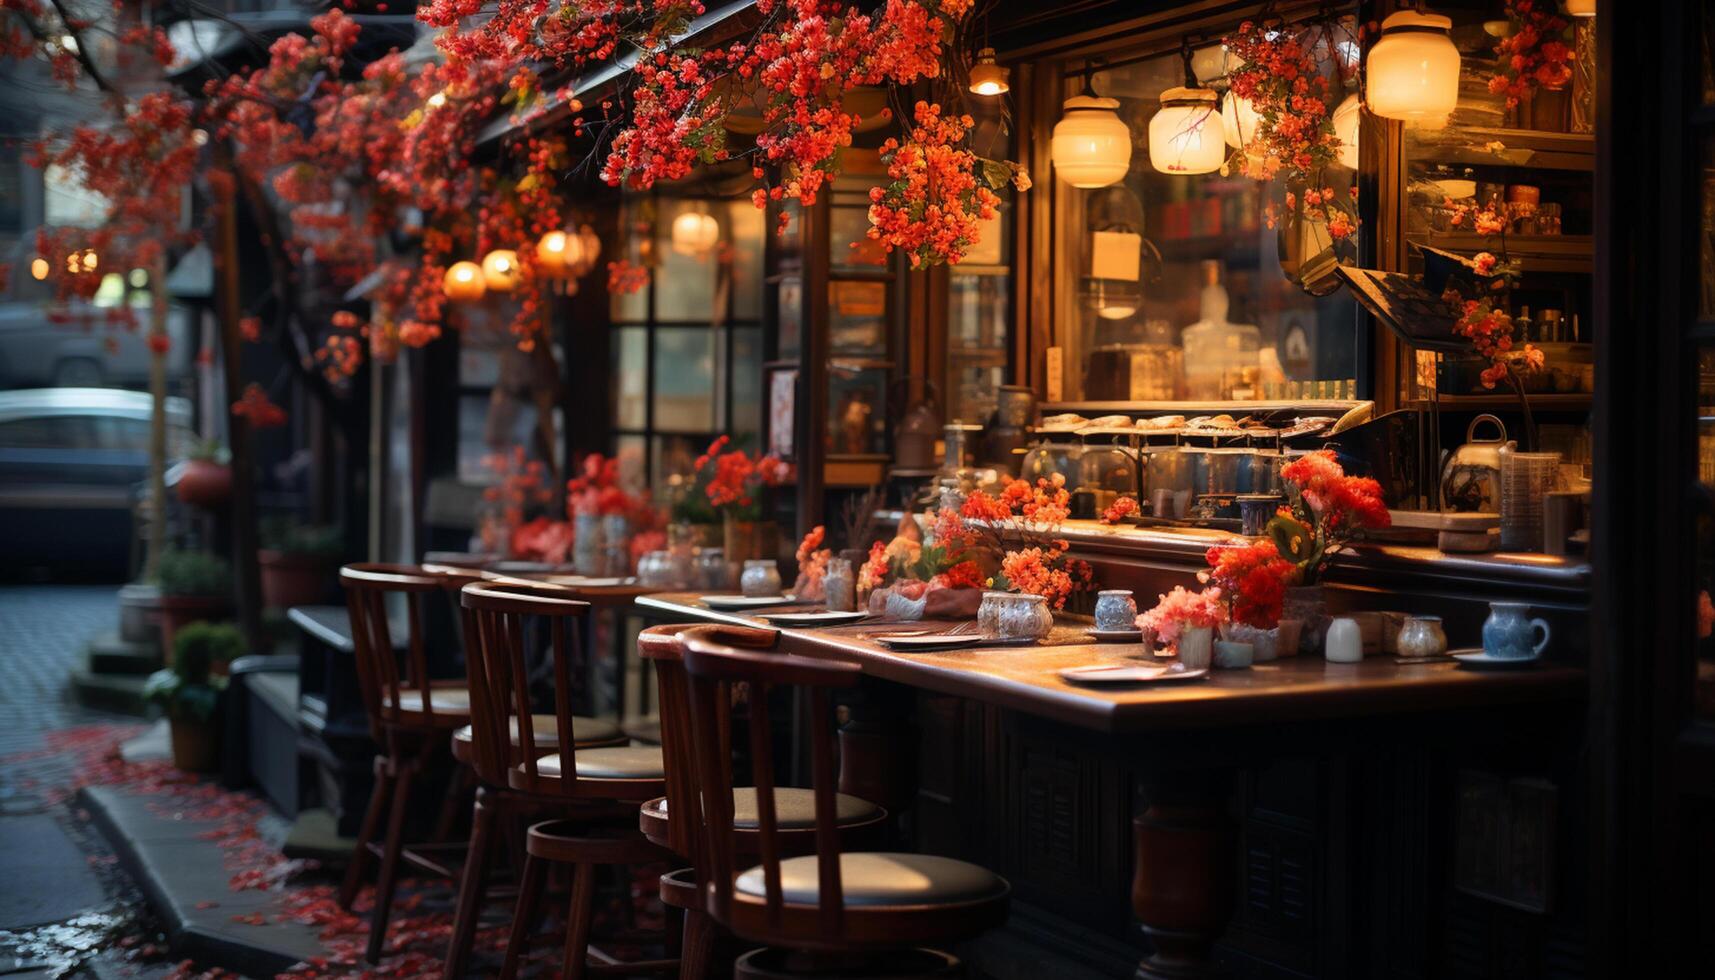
[1413,70]
[1091,145]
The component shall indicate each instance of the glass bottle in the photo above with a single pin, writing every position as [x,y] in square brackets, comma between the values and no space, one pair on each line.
[1217,353]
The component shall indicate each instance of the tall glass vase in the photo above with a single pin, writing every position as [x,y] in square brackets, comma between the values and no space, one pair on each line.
[588,555]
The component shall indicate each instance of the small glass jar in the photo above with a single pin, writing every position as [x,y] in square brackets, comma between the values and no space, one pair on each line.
[655,569]
[711,570]
[1421,637]
[1116,611]
[1014,616]
[761,577]
[839,586]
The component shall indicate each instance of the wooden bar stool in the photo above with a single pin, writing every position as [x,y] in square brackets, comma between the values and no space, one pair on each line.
[490,764]
[595,791]
[854,914]
[795,808]
[410,716]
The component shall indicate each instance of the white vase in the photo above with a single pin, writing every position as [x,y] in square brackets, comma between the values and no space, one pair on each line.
[1196,647]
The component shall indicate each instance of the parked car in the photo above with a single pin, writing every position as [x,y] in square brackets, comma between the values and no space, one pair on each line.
[82,344]
[70,462]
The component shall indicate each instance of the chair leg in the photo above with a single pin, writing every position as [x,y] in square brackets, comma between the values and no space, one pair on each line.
[696,952]
[389,877]
[580,910]
[529,896]
[473,885]
[458,790]
[359,866]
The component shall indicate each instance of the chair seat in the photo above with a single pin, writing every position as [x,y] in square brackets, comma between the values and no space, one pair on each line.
[545,731]
[622,762]
[442,700]
[882,879]
[794,808]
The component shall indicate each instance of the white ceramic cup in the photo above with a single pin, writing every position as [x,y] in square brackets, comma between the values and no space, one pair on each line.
[1345,642]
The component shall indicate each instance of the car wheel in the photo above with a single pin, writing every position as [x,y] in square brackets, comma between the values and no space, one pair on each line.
[78,372]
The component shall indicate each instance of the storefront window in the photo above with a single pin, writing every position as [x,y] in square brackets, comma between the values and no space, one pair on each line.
[687,345]
[1177,285]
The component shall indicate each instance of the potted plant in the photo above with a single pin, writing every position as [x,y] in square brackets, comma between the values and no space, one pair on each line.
[1329,510]
[190,691]
[297,560]
[204,477]
[739,486]
[194,586]
[1253,580]
[1185,621]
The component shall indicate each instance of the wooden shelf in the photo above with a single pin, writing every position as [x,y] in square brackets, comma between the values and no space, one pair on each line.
[1532,148]
[1536,253]
[1547,402]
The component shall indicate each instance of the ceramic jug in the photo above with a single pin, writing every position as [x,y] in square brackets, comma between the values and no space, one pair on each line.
[1471,477]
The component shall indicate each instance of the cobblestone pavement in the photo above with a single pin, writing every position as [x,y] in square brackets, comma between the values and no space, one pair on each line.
[43,630]
[63,870]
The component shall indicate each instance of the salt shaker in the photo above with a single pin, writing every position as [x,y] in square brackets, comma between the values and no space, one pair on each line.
[1345,641]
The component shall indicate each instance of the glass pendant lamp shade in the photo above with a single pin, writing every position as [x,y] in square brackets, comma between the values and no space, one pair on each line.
[558,254]
[1091,145]
[1413,71]
[695,233]
[988,78]
[1581,8]
[1346,118]
[1185,137]
[1239,121]
[464,281]
[500,270]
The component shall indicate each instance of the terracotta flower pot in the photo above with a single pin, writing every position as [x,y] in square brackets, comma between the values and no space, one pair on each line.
[205,483]
[178,611]
[195,748]
[751,539]
[293,580]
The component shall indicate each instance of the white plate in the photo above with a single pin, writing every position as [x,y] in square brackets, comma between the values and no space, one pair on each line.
[1115,636]
[583,582]
[827,618]
[1130,674]
[743,601]
[928,641]
[1480,659]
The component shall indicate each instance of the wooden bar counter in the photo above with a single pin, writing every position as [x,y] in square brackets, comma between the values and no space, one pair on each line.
[1171,801]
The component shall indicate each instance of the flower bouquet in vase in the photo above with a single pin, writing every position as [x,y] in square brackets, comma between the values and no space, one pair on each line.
[1022,526]
[940,578]
[739,487]
[1253,579]
[1328,511]
[1185,622]
[603,517]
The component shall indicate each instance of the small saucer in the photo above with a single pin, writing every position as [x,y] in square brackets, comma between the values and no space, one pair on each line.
[1115,636]
[1478,658]
[1130,674]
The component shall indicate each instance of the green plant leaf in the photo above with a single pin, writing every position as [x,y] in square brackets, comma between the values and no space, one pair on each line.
[1295,542]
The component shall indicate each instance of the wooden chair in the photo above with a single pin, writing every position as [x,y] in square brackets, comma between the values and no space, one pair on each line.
[858,820]
[596,790]
[495,800]
[861,913]
[410,716]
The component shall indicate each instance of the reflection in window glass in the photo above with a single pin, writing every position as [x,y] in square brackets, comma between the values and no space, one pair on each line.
[632,453]
[746,224]
[976,343]
[1705,496]
[857,317]
[631,377]
[694,248]
[685,364]
[746,421]
[636,245]
[1179,287]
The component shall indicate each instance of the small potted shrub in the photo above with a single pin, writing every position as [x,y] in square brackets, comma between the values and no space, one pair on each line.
[194,586]
[205,478]
[297,561]
[190,692]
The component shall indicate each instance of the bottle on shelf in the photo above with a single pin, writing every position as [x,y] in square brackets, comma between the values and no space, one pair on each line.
[1218,353]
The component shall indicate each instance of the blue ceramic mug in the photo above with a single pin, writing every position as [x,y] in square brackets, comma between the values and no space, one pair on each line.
[1509,635]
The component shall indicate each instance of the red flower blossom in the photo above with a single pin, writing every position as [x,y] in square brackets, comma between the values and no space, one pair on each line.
[258,409]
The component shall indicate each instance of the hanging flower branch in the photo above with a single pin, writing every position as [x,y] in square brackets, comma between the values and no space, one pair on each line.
[1536,54]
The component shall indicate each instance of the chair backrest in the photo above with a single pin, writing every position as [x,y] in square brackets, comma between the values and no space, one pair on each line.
[664,646]
[711,670]
[499,677]
[380,673]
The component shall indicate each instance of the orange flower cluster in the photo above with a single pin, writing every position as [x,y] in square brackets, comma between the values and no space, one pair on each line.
[1535,53]
[935,201]
[1278,75]
[1344,502]
[1046,572]
[596,490]
[256,407]
[736,481]
[1119,510]
[1253,578]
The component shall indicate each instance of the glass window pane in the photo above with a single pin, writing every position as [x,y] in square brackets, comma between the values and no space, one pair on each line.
[791,316]
[631,378]
[746,421]
[857,405]
[1704,690]
[685,359]
[857,317]
[747,225]
[674,456]
[636,229]
[690,235]
[1182,275]
[632,453]
[977,342]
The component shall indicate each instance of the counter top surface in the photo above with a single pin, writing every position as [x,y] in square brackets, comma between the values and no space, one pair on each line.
[1292,689]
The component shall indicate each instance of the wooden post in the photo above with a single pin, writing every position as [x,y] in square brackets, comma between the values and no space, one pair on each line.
[228,311]
[1182,891]
[157,422]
